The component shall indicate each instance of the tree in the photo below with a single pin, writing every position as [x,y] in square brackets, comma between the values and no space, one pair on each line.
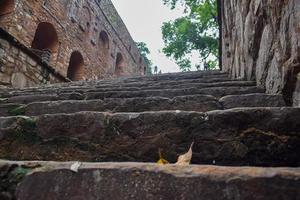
[144,50]
[196,31]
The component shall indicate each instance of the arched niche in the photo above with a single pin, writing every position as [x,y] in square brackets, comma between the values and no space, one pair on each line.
[104,40]
[119,64]
[104,47]
[6,6]
[45,38]
[76,66]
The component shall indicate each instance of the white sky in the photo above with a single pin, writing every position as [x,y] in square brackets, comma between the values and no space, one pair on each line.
[144,19]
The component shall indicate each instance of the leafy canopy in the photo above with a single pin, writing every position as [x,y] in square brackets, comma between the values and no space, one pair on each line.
[196,31]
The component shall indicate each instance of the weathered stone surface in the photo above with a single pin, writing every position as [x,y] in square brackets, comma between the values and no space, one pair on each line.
[264,55]
[127,87]
[18,80]
[148,181]
[262,38]
[19,68]
[201,103]
[123,93]
[199,79]
[257,136]
[214,91]
[252,100]
[7,109]
[296,95]
[44,97]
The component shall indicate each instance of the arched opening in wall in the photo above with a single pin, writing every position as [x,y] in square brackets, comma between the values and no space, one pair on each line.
[45,42]
[104,40]
[76,66]
[6,7]
[119,65]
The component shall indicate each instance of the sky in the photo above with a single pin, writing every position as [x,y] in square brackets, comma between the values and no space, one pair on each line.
[144,19]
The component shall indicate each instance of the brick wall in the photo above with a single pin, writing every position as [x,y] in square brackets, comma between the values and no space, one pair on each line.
[75,27]
[19,67]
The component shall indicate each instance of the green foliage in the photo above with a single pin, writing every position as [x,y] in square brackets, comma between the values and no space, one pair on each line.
[196,31]
[144,50]
[212,64]
[25,131]
[185,65]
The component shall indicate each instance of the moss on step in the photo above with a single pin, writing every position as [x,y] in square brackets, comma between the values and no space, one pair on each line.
[17,110]
[10,177]
[23,131]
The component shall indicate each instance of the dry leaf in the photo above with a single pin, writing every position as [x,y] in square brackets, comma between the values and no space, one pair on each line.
[186,158]
[161,160]
[75,166]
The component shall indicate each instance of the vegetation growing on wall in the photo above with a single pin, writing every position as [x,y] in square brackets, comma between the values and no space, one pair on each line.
[144,50]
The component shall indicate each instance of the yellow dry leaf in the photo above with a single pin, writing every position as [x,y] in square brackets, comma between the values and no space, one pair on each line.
[161,160]
[185,159]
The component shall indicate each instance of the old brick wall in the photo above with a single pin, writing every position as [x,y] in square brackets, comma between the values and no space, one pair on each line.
[261,41]
[90,30]
[20,68]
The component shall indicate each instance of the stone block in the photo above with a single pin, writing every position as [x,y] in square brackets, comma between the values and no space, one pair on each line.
[10,59]
[31,61]
[296,95]
[4,44]
[18,80]
[5,78]
[128,181]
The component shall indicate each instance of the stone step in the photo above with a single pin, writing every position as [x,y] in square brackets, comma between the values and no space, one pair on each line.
[162,77]
[217,92]
[150,79]
[112,83]
[201,103]
[245,136]
[252,100]
[145,79]
[108,88]
[126,181]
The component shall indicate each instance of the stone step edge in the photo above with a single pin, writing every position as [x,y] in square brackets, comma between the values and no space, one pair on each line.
[130,114]
[108,88]
[217,92]
[147,181]
[14,109]
[177,170]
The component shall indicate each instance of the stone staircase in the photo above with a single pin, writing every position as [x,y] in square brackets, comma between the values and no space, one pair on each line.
[231,122]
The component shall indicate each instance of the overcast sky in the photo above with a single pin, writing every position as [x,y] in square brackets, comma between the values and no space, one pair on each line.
[144,19]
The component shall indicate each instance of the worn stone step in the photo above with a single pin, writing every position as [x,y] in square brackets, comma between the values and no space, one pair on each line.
[169,76]
[113,83]
[252,100]
[217,92]
[245,136]
[126,181]
[201,103]
[42,97]
[165,77]
[147,79]
[108,88]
